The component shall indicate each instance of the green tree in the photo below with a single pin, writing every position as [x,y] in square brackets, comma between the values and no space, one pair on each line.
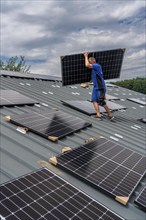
[138,84]
[16,63]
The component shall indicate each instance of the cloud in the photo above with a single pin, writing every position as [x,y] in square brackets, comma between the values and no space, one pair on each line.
[44,30]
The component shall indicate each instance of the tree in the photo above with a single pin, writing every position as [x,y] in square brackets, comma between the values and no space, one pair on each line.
[16,63]
[138,84]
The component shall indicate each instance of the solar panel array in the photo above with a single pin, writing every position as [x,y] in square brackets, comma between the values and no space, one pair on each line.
[106,165]
[52,124]
[43,195]
[74,71]
[87,106]
[141,199]
[138,101]
[11,98]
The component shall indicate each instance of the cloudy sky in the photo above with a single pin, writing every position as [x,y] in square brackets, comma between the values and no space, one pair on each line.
[42,30]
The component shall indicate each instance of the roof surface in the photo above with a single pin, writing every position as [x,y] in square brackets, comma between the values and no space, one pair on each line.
[20,153]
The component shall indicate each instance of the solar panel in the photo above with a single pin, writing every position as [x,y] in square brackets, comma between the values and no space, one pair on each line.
[11,98]
[105,165]
[141,199]
[111,85]
[87,106]
[74,71]
[110,97]
[43,195]
[137,101]
[52,124]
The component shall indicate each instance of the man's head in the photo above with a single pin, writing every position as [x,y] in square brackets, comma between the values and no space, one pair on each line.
[92,60]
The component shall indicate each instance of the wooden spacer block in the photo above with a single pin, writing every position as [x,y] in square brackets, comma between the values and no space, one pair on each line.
[7,118]
[53,160]
[84,85]
[122,199]
[66,149]
[52,138]
[90,139]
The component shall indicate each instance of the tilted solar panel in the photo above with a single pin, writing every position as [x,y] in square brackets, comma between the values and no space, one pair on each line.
[52,124]
[110,97]
[74,71]
[106,165]
[43,195]
[11,98]
[138,101]
[87,106]
[141,199]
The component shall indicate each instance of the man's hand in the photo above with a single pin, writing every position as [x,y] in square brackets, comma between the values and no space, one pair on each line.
[85,54]
[87,64]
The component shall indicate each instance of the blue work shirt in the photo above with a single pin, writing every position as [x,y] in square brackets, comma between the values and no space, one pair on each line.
[97,77]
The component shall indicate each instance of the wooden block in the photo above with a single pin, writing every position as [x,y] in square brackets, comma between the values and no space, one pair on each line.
[122,199]
[90,139]
[7,118]
[52,138]
[66,149]
[53,160]
[84,85]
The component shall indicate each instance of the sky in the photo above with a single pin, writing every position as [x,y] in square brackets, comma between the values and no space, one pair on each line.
[44,30]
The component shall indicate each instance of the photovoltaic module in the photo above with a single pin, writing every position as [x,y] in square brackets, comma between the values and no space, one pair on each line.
[110,167]
[74,71]
[43,195]
[141,199]
[52,124]
[12,98]
[87,106]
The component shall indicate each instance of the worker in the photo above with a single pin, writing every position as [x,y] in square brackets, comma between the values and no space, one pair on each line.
[99,88]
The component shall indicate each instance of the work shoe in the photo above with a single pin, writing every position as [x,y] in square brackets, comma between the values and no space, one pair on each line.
[111,118]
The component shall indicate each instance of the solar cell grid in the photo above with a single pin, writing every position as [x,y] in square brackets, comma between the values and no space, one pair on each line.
[141,199]
[50,124]
[74,71]
[50,197]
[112,168]
[11,98]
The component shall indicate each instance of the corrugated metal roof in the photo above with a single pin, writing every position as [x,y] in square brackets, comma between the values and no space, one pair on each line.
[29,75]
[20,153]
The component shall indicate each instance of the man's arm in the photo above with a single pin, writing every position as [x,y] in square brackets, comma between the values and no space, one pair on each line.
[87,64]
